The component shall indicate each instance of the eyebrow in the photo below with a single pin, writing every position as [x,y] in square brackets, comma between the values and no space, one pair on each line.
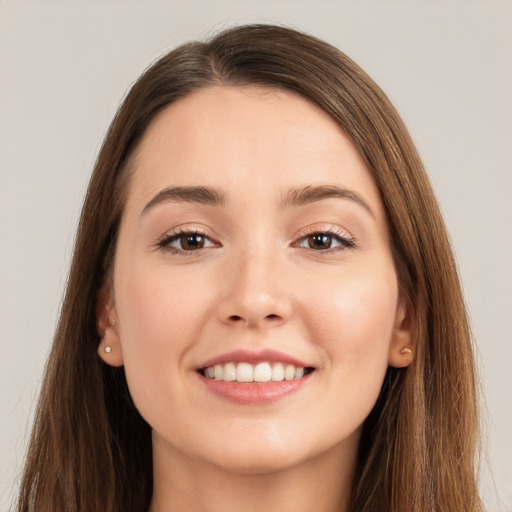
[311,194]
[295,197]
[194,194]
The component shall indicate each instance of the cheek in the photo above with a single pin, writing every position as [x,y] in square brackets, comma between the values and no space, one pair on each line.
[354,324]
[159,322]
[156,309]
[363,316]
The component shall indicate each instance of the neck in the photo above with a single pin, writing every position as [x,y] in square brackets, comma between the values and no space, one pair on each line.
[322,484]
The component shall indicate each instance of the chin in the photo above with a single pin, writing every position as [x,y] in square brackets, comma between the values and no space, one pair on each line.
[266,454]
[258,462]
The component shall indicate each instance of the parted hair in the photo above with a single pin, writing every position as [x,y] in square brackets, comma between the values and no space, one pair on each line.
[90,449]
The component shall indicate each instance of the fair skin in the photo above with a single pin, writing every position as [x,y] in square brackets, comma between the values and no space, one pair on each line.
[249,266]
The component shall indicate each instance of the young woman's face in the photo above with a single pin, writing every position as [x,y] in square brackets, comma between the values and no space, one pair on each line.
[253,247]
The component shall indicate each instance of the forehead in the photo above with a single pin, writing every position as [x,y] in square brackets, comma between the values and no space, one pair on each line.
[247,139]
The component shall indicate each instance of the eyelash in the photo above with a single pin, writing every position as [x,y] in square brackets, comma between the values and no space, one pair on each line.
[346,242]
[168,238]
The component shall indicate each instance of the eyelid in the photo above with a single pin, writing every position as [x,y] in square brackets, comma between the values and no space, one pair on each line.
[347,240]
[174,234]
[324,228]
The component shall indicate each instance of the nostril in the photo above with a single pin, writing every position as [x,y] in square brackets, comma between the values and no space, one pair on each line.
[254,320]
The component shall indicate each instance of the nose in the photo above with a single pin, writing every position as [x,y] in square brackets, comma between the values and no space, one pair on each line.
[255,294]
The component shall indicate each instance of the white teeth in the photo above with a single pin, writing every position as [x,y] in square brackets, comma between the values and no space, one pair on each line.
[229,372]
[289,372]
[261,372]
[244,372]
[278,372]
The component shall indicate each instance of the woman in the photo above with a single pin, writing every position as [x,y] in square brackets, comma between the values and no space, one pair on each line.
[263,310]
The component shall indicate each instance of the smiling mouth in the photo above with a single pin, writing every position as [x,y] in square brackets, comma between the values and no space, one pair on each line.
[248,373]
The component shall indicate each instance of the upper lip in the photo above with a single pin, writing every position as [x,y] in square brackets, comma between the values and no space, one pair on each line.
[254,357]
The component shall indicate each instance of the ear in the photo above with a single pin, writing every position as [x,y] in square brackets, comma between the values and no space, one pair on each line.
[402,347]
[109,348]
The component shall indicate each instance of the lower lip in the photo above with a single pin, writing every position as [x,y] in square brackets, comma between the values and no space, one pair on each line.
[253,393]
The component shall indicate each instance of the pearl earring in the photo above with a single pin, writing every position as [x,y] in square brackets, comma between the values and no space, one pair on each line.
[108,349]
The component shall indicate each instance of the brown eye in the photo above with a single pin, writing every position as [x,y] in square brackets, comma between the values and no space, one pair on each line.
[192,241]
[327,242]
[319,241]
[186,241]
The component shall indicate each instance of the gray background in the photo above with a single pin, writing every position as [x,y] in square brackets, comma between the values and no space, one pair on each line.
[64,67]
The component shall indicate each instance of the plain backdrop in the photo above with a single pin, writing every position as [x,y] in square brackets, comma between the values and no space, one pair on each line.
[65,66]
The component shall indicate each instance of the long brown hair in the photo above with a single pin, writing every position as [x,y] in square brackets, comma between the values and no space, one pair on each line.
[90,449]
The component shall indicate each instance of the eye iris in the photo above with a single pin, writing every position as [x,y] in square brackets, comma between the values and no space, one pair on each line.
[192,241]
[319,241]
